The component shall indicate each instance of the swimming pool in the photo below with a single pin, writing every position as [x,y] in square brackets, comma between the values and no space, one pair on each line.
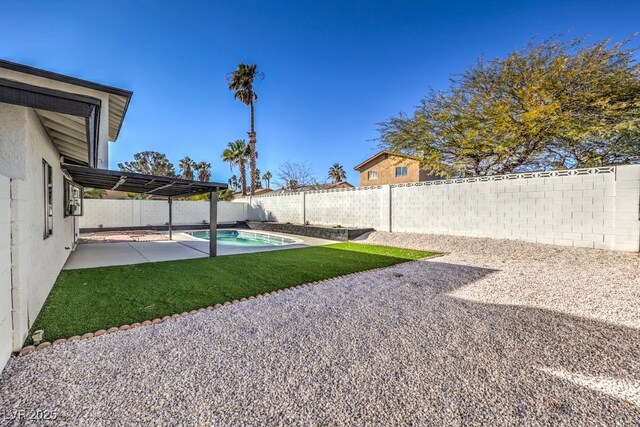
[244,238]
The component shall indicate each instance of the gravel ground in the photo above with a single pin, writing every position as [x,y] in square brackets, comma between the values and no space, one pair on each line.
[493,333]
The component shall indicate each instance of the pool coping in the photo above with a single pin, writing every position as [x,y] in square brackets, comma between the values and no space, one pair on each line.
[295,241]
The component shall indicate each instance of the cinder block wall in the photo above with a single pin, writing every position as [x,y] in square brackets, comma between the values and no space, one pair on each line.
[596,208]
[137,213]
[6,328]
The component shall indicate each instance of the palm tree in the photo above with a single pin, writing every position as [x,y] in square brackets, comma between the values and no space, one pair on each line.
[267,177]
[186,166]
[237,153]
[258,181]
[241,82]
[233,182]
[204,171]
[337,173]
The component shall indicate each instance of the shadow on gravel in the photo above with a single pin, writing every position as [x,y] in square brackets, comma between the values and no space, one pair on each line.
[552,367]
[390,347]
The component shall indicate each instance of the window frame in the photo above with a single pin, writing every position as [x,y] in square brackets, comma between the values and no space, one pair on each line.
[47,198]
[371,177]
[404,169]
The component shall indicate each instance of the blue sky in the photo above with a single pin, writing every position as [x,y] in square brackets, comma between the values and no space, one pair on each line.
[333,68]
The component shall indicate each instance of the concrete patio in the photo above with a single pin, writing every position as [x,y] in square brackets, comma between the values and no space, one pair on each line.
[183,246]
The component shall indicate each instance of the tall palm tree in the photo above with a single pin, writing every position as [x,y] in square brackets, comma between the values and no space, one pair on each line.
[241,82]
[204,171]
[233,182]
[237,153]
[267,177]
[186,166]
[258,181]
[337,173]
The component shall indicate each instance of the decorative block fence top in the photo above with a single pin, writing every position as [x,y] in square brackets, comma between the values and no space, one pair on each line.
[512,176]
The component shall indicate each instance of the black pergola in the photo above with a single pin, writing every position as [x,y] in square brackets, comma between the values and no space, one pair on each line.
[153,185]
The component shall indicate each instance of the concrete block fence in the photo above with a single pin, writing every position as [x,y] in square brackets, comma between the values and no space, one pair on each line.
[139,213]
[596,208]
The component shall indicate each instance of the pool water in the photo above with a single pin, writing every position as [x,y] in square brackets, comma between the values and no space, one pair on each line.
[244,238]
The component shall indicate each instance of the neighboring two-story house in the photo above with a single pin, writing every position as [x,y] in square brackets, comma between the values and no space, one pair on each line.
[387,167]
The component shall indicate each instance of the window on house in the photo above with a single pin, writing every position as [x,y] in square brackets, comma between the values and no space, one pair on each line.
[47,187]
[402,171]
[372,175]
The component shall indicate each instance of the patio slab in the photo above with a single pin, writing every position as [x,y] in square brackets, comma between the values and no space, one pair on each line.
[184,246]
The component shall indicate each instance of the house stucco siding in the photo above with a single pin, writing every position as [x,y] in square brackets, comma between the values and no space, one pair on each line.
[13,150]
[34,261]
[103,136]
[385,165]
[47,256]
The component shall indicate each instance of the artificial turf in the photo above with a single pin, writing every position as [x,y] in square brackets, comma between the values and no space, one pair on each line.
[90,299]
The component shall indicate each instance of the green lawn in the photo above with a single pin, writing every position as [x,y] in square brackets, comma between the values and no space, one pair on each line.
[98,298]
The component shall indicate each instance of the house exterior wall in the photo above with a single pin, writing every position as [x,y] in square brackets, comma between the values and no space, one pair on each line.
[35,262]
[595,208]
[139,213]
[103,137]
[386,164]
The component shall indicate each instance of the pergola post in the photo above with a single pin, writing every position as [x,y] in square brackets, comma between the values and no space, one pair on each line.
[170,219]
[213,223]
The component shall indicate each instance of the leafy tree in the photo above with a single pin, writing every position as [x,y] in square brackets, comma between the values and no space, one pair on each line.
[556,104]
[236,154]
[293,176]
[149,163]
[337,173]
[204,171]
[186,167]
[241,82]
[94,193]
[225,195]
[267,178]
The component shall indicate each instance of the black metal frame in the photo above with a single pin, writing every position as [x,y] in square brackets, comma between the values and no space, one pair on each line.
[132,182]
[47,181]
[151,184]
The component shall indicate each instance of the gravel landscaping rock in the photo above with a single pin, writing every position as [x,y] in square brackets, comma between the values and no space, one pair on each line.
[493,333]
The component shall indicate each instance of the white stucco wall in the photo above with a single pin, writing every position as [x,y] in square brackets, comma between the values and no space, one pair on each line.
[47,256]
[140,213]
[13,151]
[596,208]
[103,136]
[35,262]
